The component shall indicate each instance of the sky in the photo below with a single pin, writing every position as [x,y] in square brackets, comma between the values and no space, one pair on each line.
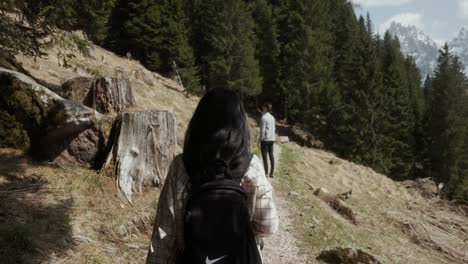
[440,19]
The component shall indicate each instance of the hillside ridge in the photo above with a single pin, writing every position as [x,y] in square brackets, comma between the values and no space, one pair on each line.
[396,224]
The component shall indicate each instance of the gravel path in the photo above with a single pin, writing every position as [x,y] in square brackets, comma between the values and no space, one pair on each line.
[281,248]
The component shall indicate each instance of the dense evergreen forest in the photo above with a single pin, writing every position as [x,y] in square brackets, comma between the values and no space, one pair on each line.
[322,67]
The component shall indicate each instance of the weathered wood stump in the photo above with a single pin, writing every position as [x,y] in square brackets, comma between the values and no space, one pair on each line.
[103,94]
[142,146]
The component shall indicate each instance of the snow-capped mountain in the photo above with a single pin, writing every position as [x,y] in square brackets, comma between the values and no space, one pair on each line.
[459,46]
[418,45]
[414,42]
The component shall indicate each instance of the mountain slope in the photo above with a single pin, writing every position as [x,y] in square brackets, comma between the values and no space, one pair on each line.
[395,223]
[459,45]
[415,43]
[418,45]
[84,221]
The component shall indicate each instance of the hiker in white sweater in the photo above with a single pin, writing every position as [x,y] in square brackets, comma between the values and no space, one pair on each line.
[267,138]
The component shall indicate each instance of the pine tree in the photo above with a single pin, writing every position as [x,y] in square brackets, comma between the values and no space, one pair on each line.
[417,111]
[296,59]
[448,125]
[267,50]
[350,73]
[134,27]
[175,45]
[398,122]
[323,108]
[225,46]
[39,19]
[93,18]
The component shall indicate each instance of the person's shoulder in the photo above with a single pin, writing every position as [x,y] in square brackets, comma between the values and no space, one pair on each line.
[255,161]
[255,169]
[270,116]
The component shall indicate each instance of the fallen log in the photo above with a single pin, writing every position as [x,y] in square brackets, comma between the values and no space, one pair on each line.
[141,148]
[336,203]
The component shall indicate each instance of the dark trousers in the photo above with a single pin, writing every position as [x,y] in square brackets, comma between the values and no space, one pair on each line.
[267,149]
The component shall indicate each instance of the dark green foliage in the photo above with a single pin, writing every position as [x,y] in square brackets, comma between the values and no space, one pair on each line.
[447,116]
[28,113]
[175,46]
[134,28]
[93,17]
[359,76]
[32,21]
[224,40]
[157,33]
[305,74]
[267,50]
[398,122]
[12,134]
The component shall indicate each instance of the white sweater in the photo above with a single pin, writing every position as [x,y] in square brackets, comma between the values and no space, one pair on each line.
[267,128]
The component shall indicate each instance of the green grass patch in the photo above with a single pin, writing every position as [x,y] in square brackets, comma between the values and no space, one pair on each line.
[314,225]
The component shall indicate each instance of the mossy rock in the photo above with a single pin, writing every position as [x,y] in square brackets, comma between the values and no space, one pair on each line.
[55,129]
[23,107]
[12,133]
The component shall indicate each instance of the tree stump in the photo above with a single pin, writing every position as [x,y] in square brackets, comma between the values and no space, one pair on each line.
[142,146]
[104,94]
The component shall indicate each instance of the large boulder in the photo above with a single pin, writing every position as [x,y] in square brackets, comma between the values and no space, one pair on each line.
[104,94]
[57,129]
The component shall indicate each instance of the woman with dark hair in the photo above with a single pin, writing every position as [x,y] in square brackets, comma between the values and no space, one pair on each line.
[217,147]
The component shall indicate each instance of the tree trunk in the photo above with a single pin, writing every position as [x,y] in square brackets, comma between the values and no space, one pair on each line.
[103,94]
[142,146]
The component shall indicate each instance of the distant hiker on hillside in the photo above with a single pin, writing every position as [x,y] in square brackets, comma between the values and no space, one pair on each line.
[267,138]
[216,202]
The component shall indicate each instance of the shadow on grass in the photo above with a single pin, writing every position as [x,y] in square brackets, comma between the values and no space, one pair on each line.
[34,223]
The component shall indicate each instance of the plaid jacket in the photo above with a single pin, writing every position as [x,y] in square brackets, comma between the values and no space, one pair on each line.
[167,238]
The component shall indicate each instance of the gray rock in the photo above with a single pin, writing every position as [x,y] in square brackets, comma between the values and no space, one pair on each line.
[59,130]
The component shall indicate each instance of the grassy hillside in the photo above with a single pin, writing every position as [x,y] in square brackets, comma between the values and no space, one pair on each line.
[395,224]
[73,215]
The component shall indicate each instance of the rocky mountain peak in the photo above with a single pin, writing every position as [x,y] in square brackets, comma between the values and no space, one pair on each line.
[459,46]
[415,43]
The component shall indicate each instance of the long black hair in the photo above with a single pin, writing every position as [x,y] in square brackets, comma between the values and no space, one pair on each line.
[217,140]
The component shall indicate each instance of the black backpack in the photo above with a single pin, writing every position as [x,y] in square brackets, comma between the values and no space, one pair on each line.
[217,227]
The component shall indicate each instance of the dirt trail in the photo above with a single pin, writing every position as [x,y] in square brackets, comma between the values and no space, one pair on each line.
[281,248]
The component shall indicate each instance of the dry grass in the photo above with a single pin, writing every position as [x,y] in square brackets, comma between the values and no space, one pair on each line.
[394,225]
[68,215]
